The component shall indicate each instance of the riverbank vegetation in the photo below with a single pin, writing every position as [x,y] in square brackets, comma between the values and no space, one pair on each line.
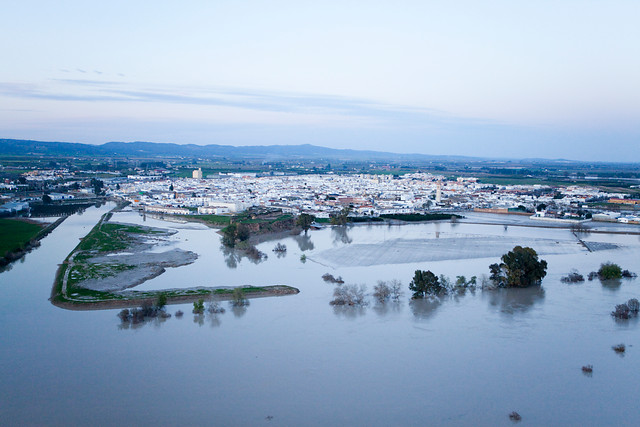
[16,236]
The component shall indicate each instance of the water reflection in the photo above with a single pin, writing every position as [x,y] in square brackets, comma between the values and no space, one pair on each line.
[233,257]
[515,300]
[238,310]
[386,308]
[304,242]
[349,311]
[611,284]
[155,322]
[198,319]
[340,234]
[424,308]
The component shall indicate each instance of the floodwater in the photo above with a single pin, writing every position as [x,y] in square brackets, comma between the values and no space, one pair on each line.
[296,360]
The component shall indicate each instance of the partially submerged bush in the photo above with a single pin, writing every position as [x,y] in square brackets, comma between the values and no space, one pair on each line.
[609,271]
[620,348]
[592,275]
[627,310]
[238,299]
[215,308]
[330,279]
[143,313]
[629,274]
[349,295]
[198,306]
[384,292]
[179,313]
[280,248]
[587,369]
[573,277]
[514,416]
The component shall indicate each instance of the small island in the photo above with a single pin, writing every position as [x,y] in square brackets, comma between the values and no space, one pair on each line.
[115,257]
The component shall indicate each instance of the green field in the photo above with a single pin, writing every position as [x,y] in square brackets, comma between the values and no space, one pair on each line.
[16,233]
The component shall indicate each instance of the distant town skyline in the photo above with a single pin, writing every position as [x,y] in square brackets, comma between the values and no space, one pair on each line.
[487,79]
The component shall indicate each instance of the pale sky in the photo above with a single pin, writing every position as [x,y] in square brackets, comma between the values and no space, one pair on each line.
[513,78]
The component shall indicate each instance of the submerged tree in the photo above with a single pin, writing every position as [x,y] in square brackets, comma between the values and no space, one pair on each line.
[425,283]
[520,268]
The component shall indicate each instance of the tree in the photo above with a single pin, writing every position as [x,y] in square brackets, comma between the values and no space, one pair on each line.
[170,187]
[342,217]
[229,235]
[46,199]
[520,268]
[162,301]
[304,221]
[424,283]
[97,185]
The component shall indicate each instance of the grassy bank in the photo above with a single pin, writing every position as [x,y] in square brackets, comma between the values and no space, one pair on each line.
[15,234]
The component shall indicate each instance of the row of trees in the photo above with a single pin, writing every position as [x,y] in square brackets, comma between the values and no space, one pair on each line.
[519,268]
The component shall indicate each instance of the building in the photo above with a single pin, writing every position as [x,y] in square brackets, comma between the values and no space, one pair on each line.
[197,173]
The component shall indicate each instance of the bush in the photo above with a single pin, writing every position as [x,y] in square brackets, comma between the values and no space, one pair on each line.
[627,310]
[609,271]
[628,274]
[573,277]
[620,348]
[384,292]
[349,295]
[238,299]
[162,301]
[592,275]
[330,279]
[280,248]
[198,306]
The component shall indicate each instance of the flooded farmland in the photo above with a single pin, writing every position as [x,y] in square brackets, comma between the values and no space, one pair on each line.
[469,359]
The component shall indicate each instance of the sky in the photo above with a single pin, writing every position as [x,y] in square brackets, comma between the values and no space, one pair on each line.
[508,79]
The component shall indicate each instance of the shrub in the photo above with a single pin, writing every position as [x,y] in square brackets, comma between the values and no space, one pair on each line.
[238,299]
[215,308]
[330,279]
[620,348]
[381,292]
[125,315]
[627,310]
[162,301]
[280,248]
[349,295]
[573,277]
[609,271]
[198,306]
[628,274]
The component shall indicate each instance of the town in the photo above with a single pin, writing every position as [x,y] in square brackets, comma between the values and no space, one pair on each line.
[367,196]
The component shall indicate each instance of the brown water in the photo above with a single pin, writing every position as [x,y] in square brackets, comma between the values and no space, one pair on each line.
[465,360]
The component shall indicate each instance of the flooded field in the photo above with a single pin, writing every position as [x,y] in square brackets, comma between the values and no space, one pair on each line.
[466,360]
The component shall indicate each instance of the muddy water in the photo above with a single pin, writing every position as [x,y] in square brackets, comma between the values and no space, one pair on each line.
[468,360]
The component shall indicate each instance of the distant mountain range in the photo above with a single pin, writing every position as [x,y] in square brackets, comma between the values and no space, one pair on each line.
[213,151]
